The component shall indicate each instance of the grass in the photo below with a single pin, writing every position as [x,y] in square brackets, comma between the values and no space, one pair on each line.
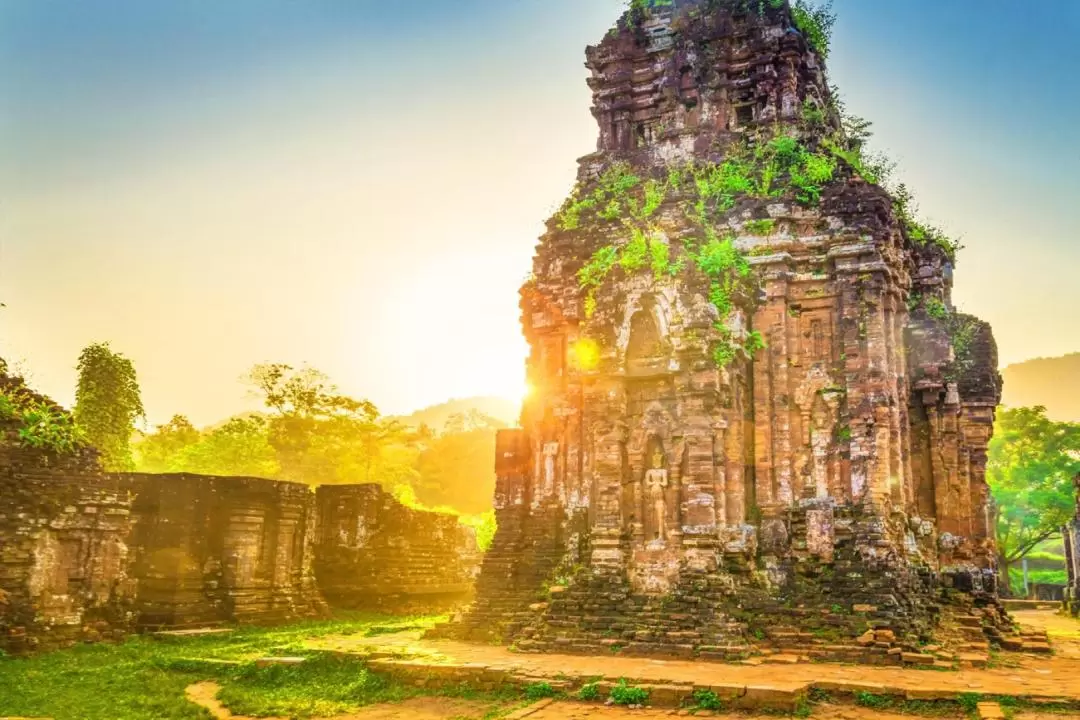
[144,678]
[1050,577]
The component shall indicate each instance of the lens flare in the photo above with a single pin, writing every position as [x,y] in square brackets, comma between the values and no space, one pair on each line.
[585,354]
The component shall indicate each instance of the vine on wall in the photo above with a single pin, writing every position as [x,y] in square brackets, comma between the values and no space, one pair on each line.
[775,168]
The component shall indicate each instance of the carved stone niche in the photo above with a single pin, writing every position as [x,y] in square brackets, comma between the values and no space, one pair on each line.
[648,352]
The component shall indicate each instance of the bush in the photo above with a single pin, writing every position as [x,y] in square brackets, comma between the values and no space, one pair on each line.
[539,691]
[589,692]
[624,694]
[7,408]
[708,700]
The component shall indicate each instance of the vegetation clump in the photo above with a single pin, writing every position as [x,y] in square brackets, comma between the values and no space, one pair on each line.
[41,425]
[108,402]
[626,694]
[539,691]
[708,700]
[38,423]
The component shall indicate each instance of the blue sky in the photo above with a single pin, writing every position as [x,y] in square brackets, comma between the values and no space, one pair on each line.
[361,185]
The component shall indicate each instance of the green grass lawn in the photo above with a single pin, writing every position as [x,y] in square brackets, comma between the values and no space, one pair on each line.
[1052,577]
[144,678]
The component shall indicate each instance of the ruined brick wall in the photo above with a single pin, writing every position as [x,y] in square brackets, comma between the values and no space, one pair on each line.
[832,479]
[1071,533]
[63,552]
[208,550]
[372,551]
[63,542]
[86,555]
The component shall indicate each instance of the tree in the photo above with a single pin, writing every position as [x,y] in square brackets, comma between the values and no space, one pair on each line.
[457,468]
[161,450]
[1031,465]
[240,447]
[107,404]
[322,437]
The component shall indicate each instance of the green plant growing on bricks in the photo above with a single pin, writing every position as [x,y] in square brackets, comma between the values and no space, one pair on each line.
[935,308]
[539,691]
[707,700]
[626,694]
[40,425]
[781,165]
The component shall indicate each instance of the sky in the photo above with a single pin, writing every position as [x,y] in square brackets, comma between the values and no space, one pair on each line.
[360,185]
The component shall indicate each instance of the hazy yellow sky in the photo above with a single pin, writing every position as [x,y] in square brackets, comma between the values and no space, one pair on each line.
[361,188]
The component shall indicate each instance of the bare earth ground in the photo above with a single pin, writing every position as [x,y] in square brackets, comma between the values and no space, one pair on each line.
[1039,677]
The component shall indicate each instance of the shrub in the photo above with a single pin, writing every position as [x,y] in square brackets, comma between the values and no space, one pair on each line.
[539,691]
[625,694]
[47,428]
[708,700]
[935,308]
[7,408]
[589,692]
[870,700]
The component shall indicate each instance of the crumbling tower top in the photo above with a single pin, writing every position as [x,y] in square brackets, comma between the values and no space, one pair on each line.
[681,79]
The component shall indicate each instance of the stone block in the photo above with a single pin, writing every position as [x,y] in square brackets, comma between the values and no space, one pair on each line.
[990,711]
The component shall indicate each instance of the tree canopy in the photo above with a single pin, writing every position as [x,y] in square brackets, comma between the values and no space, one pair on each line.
[1031,465]
[107,404]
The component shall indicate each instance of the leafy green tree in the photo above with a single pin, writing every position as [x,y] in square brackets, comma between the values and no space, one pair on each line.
[240,447]
[107,404]
[161,450]
[1031,465]
[323,436]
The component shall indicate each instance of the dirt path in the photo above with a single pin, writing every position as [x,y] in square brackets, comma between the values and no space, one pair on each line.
[204,694]
[1038,677]
[1064,631]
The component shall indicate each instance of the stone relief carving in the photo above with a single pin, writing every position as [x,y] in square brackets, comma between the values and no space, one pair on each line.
[656,485]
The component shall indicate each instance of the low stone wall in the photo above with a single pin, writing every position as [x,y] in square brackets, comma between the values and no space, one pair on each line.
[374,552]
[86,556]
[207,550]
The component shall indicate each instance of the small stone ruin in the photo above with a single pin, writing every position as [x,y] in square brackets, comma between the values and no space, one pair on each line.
[1071,533]
[372,553]
[86,555]
[757,417]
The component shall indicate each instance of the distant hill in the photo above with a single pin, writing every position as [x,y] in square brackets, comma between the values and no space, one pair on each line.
[436,416]
[1051,382]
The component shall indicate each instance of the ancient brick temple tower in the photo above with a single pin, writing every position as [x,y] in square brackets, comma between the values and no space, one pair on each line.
[755,407]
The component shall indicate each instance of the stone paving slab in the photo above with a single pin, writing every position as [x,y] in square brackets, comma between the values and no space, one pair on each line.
[1040,679]
[193,632]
